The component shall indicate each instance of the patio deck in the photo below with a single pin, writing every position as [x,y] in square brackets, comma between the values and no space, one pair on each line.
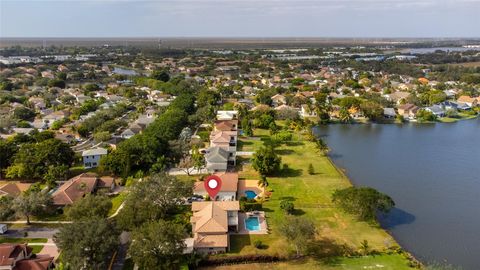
[244,185]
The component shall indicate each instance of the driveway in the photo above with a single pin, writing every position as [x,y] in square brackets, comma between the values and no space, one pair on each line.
[49,248]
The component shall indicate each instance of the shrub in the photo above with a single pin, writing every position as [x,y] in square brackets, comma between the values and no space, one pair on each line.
[248,206]
[258,244]
[311,170]
[287,206]
[204,135]
[212,260]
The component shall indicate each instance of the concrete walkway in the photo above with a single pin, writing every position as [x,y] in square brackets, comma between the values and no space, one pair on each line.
[245,153]
[118,210]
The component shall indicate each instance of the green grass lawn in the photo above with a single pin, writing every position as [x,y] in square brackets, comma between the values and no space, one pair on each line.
[311,195]
[36,248]
[117,201]
[462,116]
[384,261]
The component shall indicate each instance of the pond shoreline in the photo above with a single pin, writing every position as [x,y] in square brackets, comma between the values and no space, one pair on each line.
[409,256]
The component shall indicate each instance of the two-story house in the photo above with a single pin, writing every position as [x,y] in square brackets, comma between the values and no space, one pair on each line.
[91,157]
[211,223]
[228,191]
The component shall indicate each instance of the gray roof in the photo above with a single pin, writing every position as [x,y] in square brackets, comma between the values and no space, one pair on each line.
[389,111]
[95,152]
[216,154]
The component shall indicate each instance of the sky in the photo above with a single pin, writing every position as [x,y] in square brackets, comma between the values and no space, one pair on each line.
[240,18]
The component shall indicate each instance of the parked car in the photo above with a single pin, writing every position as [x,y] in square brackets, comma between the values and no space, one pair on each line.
[3,228]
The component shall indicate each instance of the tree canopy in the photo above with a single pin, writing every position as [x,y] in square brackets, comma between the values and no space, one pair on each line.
[266,161]
[298,231]
[87,244]
[32,161]
[30,203]
[91,206]
[153,198]
[364,202]
[158,245]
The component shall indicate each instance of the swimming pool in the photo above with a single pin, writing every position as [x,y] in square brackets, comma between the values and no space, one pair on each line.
[250,194]
[252,224]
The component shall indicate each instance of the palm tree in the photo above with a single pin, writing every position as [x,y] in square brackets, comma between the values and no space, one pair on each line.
[365,247]
[344,115]
[263,181]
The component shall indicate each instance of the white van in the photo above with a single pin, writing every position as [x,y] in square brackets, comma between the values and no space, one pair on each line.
[3,228]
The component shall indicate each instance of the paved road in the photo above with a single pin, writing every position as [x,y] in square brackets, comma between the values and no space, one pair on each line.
[35,221]
[119,260]
[32,232]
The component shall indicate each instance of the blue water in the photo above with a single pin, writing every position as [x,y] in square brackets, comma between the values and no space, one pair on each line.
[432,172]
[252,224]
[124,71]
[250,194]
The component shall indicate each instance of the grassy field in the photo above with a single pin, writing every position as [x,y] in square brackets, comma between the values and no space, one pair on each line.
[384,262]
[311,195]
[462,116]
[116,202]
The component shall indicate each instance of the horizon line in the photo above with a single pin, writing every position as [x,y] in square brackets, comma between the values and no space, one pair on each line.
[237,37]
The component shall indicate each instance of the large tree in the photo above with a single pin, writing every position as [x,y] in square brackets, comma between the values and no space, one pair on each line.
[30,203]
[23,113]
[298,231]
[87,244]
[364,202]
[33,160]
[6,209]
[266,161]
[158,245]
[322,107]
[89,207]
[7,150]
[153,198]
[161,75]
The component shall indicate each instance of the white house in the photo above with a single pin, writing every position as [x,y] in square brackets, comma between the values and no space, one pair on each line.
[91,157]
[306,112]
[227,115]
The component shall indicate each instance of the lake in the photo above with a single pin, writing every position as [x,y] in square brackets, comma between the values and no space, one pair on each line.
[432,50]
[124,71]
[432,172]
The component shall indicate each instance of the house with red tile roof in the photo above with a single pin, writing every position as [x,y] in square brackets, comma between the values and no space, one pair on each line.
[79,186]
[211,222]
[13,189]
[229,187]
[20,257]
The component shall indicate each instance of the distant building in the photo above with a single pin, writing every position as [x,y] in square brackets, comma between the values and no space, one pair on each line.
[227,115]
[91,157]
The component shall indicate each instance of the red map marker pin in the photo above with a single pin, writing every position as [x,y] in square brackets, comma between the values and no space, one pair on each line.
[212,184]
